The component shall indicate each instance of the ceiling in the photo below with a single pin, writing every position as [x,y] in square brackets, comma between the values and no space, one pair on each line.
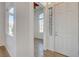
[43,3]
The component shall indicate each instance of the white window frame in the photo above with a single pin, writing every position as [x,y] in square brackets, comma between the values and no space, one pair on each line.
[41,25]
[9,32]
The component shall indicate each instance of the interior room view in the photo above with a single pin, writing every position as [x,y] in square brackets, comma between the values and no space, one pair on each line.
[39,29]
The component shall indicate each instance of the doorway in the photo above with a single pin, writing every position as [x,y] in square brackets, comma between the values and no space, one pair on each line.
[38,29]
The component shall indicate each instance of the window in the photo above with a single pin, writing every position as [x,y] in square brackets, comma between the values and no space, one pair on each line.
[41,22]
[50,21]
[11,21]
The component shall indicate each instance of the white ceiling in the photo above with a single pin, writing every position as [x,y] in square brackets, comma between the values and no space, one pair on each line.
[43,3]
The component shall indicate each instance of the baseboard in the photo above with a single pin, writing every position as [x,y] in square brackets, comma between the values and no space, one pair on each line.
[52,52]
[8,51]
[10,54]
[1,44]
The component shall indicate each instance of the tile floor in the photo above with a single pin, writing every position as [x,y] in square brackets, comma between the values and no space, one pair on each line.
[38,47]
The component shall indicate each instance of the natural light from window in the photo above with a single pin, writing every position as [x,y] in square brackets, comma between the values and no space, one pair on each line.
[11,21]
[41,22]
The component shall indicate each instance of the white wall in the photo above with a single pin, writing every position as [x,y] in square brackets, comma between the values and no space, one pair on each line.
[37,34]
[24,29]
[46,27]
[69,31]
[10,41]
[2,18]
[22,43]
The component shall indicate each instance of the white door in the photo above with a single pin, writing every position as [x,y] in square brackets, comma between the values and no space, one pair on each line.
[65,29]
[59,28]
[51,28]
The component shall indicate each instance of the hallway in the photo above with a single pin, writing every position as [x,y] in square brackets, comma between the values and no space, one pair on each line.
[39,51]
[50,30]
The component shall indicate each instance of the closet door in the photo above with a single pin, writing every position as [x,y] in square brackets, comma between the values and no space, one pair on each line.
[66,41]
